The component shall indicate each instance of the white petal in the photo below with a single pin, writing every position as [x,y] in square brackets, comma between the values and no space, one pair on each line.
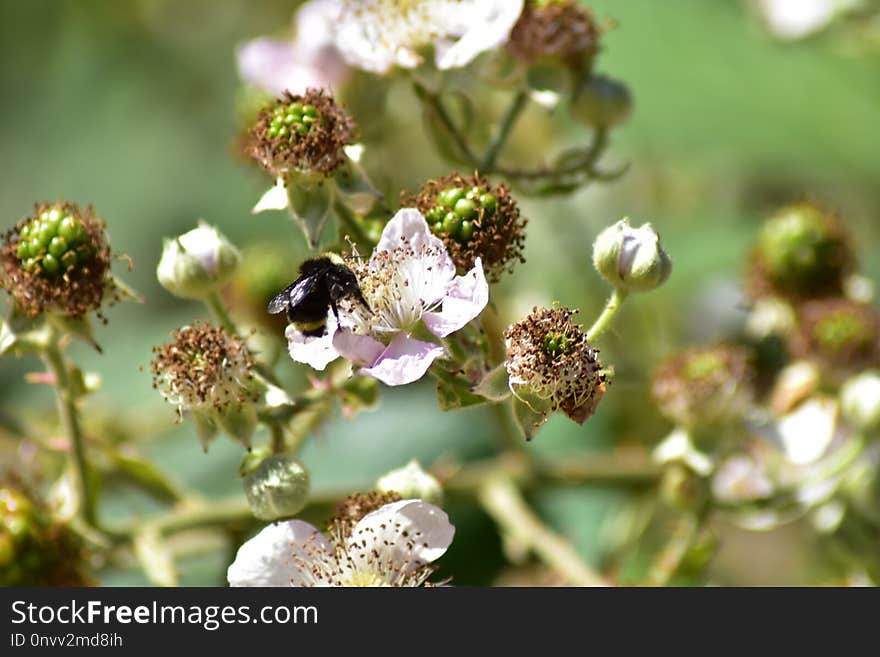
[677,447]
[465,298]
[408,227]
[317,352]
[404,361]
[489,27]
[405,534]
[360,349]
[274,199]
[807,431]
[278,556]
[204,244]
[740,478]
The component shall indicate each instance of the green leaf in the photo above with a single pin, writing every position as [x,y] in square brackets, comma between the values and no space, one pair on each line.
[20,334]
[527,419]
[80,327]
[495,386]
[453,394]
[310,206]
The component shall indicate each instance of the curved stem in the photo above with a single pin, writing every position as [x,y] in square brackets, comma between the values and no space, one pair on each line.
[433,101]
[504,130]
[70,421]
[503,501]
[604,320]
[216,306]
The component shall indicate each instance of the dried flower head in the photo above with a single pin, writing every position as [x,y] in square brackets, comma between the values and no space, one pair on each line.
[57,260]
[549,357]
[704,386]
[302,133]
[842,336]
[474,220]
[203,368]
[35,549]
[803,251]
[557,29]
[392,545]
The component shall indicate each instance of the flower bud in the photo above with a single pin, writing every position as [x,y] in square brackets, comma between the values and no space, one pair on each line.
[802,251]
[475,220]
[601,102]
[631,259]
[197,263]
[412,482]
[277,488]
[860,401]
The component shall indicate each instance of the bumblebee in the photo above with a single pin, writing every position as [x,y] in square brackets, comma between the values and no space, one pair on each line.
[322,283]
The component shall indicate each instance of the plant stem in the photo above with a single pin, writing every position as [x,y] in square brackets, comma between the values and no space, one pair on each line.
[436,105]
[276,444]
[357,231]
[604,320]
[503,501]
[216,306]
[670,558]
[70,421]
[504,130]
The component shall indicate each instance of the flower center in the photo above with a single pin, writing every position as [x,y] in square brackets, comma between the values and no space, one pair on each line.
[54,242]
[406,23]
[360,578]
[460,212]
[293,120]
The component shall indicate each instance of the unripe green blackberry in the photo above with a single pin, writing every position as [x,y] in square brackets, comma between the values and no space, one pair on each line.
[704,386]
[34,549]
[803,251]
[57,260]
[300,134]
[474,220]
[841,336]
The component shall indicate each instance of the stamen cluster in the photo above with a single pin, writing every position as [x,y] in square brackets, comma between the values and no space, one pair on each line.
[558,29]
[842,336]
[203,368]
[550,355]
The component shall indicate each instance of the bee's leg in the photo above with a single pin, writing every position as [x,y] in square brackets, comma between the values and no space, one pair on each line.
[335,309]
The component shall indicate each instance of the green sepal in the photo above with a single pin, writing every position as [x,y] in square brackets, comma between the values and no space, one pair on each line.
[495,386]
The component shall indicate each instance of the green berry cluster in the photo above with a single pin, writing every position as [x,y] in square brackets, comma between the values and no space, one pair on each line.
[55,241]
[457,209]
[293,119]
[555,345]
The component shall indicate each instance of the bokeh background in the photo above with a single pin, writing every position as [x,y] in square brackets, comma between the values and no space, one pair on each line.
[134,106]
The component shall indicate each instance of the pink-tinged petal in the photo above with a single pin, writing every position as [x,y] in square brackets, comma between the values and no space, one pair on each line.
[465,299]
[280,555]
[317,352]
[360,349]
[489,26]
[405,535]
[404,361]
[408,227]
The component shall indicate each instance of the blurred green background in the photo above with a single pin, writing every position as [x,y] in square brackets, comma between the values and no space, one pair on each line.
[131,106]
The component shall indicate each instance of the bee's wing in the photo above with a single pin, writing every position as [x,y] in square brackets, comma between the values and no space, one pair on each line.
[293,294]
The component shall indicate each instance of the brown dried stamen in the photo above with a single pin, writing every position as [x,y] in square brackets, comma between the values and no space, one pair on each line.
[559,29]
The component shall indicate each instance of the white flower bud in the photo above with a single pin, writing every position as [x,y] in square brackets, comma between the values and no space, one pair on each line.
[601,101]
[860,401]
[631,259]
[412,482]
[196,263]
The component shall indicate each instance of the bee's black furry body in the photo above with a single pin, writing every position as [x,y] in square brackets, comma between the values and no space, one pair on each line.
[322,283]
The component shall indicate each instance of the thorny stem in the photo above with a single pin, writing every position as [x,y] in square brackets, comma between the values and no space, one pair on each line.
[507,123]
[504,502]
[604,320]
[70,421]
